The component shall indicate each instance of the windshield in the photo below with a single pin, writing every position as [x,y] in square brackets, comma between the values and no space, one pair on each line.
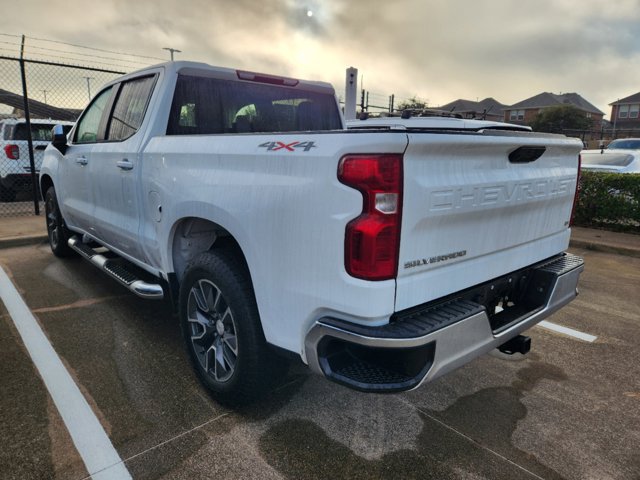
[625,144]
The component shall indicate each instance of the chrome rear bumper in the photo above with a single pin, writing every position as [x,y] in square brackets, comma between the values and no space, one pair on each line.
[433,341]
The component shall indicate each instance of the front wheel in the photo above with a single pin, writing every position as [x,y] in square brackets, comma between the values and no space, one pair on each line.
[56,229]
[222,330]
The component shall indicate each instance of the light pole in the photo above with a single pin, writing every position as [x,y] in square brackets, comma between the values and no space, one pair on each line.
[89,86]
[172,51]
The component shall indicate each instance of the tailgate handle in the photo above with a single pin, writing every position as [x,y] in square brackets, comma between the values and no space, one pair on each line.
[526,154]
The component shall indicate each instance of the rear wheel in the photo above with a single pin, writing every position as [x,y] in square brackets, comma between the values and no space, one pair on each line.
[56,229]
[222,331]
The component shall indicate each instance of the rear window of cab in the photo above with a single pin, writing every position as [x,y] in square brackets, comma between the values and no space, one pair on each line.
[204,105]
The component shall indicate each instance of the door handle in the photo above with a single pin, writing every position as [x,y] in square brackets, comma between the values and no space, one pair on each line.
[81,160]
[124,164]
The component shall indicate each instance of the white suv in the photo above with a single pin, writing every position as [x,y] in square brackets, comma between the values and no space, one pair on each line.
[15,167]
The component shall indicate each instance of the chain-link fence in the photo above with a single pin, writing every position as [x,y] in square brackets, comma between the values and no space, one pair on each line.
[375,102]
[56,94]
[37,93]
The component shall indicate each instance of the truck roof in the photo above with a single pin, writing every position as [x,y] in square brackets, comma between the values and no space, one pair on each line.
[203,69]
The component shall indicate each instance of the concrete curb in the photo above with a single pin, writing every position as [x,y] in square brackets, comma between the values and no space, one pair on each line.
[22,241]
[606,248]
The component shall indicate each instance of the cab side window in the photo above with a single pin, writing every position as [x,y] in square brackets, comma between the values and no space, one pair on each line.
[129,108]
[89,124]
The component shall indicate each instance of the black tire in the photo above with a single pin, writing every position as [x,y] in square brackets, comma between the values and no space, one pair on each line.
[222,331]
[56,228]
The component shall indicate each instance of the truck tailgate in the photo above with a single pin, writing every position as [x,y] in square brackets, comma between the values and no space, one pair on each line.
[470,213]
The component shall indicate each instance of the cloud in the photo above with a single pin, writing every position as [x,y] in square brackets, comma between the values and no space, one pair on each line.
[438,50]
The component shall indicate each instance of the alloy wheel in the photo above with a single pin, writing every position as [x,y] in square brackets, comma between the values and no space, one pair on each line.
[213,330]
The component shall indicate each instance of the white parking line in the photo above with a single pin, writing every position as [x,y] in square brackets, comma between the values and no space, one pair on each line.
[567,331]
[98,454]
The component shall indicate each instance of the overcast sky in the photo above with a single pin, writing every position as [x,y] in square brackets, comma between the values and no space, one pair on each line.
[437,50]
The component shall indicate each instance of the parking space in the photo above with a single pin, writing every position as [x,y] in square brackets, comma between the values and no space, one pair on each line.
[570,409]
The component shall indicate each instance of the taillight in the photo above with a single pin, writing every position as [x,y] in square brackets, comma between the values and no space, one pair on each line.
[372,240]
[577,194]
[12,152]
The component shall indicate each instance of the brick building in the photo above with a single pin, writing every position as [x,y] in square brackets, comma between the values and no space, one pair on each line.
[487,109]
[524,112]
[625,113]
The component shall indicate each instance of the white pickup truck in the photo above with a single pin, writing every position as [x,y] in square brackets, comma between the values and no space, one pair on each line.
[382,257]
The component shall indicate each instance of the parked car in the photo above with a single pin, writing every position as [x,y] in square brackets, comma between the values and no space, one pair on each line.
[15,167]
[620,156]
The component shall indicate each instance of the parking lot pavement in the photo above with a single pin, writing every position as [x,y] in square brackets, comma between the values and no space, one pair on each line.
[570,409]
[35,443]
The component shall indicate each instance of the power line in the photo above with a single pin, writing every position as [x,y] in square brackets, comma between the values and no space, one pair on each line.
[36,50]
[83,66]
[33,61]
[83,55]
[10,43]
[10,50]
[92,48]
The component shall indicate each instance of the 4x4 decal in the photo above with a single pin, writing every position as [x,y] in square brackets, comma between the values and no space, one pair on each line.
[289,147]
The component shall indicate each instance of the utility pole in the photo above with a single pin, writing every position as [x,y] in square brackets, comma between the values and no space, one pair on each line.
[172,51]
[89,86]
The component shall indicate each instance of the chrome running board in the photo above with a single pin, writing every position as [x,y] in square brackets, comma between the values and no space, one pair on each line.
[117,271]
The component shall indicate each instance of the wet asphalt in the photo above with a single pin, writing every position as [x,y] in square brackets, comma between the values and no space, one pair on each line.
[568,410]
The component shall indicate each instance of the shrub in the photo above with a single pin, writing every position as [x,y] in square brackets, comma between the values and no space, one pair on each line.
[610,201]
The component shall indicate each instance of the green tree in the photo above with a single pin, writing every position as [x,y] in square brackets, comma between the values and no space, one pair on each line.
[414,103]
[560,118]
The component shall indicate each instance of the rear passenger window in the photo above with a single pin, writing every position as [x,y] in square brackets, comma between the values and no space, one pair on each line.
[130,107]
[204,105]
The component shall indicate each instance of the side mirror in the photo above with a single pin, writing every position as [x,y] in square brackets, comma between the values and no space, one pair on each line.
[59,138]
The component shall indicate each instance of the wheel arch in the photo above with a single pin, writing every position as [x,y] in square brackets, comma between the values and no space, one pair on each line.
[193,235]
[46,182]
